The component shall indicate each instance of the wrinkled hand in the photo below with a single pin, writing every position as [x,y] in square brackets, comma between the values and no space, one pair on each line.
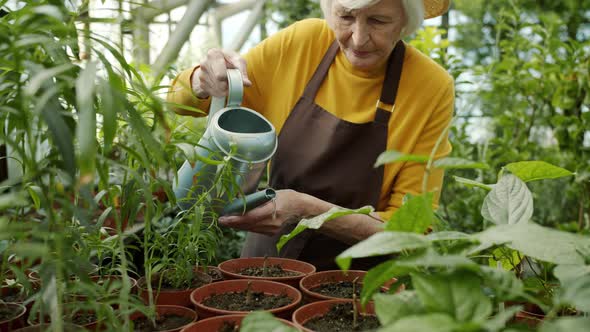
[290,207]
[210,79]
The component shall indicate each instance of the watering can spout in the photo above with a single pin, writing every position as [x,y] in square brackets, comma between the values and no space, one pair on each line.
[238,135]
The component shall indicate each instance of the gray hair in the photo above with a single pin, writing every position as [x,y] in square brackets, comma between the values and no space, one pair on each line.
[414,10]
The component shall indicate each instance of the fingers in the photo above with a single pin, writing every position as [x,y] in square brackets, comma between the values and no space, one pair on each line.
[212,76]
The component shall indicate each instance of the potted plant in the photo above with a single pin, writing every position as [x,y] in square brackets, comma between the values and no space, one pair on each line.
[336,315]
[335,284]
[11,316]
[241,296]
[168,318]
[285,270]
[227,323]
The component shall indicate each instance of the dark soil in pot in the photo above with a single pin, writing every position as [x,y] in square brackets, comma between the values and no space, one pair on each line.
[11,316]
[340,318]
[269,271]
[341,289]
[163,323]
[8,312]
[247,300]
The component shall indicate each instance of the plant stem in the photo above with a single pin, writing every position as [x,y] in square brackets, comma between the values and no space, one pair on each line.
[428,168]
[354,306]
[265,266]
[249,293]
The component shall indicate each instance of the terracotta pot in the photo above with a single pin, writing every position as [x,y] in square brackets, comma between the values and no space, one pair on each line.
[180,297]
[333,276]
[213,324]
[163,310]
[45,327]
[213,271]
[240,285]
[19,295]
[320,308]
[109,291]
[232,267]
[71,311]
[17,320]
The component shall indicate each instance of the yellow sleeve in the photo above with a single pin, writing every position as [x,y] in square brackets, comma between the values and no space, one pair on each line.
[181,98]
[410,177]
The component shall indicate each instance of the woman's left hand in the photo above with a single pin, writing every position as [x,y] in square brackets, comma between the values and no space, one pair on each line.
[269,218]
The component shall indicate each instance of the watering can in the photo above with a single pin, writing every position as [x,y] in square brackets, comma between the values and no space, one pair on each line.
[238,133]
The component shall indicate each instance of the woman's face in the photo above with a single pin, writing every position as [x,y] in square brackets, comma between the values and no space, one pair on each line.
[367,35]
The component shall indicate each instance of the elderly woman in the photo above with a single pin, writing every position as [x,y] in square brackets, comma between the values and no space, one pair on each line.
[339,91]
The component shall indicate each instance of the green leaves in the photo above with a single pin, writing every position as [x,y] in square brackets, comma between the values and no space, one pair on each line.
[458,295]
[458,163]
[86,129]
[391,307]
[535,241]
[413,216]
[263,321]
[382,243]
[317,222]
[392,156]
[566,324]
[536,170]
[509,202]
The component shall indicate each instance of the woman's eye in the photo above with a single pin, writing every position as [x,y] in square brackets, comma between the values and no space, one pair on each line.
[347,17]
[376,21]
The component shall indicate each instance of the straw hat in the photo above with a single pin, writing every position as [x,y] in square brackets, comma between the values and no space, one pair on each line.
[434,8]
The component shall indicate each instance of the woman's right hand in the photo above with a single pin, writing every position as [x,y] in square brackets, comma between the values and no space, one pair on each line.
[210,79]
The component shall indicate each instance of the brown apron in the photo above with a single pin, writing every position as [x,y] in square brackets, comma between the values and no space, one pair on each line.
[332,159]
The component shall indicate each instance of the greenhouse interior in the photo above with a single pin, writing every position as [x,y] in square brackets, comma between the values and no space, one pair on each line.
[295,165]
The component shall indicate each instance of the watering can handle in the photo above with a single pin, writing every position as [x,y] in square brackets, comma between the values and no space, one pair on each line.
[235,92]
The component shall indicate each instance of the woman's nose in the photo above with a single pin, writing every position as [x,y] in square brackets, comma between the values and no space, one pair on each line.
[360,33]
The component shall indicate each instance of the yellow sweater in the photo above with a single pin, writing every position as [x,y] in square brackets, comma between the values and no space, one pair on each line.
[280,67]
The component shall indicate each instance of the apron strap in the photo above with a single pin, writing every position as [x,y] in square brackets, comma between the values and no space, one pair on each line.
[321,71]
[391,82]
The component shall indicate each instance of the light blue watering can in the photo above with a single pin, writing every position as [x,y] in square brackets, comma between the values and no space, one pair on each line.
[234,132]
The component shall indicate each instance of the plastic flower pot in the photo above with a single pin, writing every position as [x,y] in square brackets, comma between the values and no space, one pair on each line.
[213,324]
[15,319]
[231,269]
[199,295]
[308,283]
[167,310]
[180,297]
[317,309]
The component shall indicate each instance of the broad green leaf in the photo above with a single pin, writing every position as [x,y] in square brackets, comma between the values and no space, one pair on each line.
[112,102]
[449,236]
[536,170]
[433,322]
[458,295]
[459,163]
[12,200]
[378,276]
[498,322]
[317,222]
[472,184]
[535,241]
[381,243]
[392,307]
[505,284]
[263,321]
[507,258]
[576,292]
[392,156]
[510,202]
[86,129]
[414,216]
[567,273]
[566,324]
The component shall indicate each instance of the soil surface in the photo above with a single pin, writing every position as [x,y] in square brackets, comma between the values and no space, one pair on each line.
[341,289]
[84,318]
[163,323]
[167,283]
[271,271]
[7,313]
[340,319]
[238,301]
[13,295]
[229,326]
